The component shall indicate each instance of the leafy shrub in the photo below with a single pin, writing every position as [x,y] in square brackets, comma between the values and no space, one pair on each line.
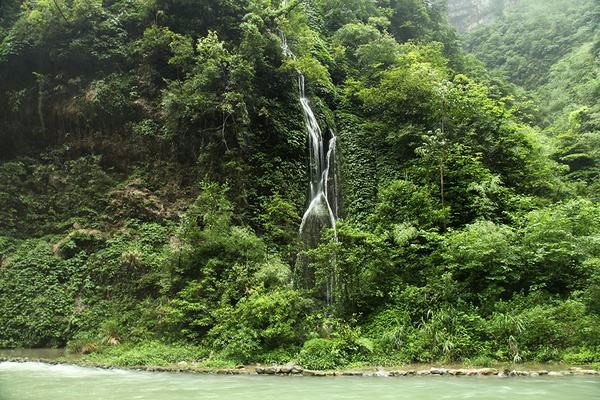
[147,353]
[322,354]
[345,345]
[37,295]
[582,356]
[262,323]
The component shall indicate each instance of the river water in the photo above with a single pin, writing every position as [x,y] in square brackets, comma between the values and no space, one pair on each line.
[35,381]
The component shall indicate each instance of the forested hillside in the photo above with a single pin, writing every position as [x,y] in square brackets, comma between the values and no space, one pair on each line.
[154,171]
[553,49]
[467,15]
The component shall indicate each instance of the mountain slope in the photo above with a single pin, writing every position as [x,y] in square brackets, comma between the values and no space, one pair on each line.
[154,170]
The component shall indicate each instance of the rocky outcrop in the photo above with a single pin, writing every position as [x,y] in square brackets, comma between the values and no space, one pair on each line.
[466,15]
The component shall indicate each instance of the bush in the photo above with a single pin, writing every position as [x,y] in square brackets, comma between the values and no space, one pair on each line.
[37,296]
[345,345]
[262,323]
[322,354]
[582,356]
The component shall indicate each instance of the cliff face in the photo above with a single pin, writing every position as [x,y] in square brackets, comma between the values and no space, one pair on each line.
[467,15]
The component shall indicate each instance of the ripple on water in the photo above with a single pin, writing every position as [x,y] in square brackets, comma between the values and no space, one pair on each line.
[35,381]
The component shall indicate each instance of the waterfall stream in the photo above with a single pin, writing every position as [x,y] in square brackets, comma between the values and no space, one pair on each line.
[323,206]
[322,210]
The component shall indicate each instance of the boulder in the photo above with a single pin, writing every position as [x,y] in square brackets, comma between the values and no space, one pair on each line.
[438,371]
[290,368]
[351,373]
[260,370]
[457,372]
[590,372]
[488,371]
[308,372]
[273,370]
[296,370]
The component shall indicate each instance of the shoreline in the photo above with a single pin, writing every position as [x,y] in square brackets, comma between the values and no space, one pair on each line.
[295,370]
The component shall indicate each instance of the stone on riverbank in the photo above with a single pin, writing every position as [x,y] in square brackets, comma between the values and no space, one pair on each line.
[488,371]
[308,372]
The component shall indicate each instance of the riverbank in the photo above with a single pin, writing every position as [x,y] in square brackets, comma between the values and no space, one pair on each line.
[291,369]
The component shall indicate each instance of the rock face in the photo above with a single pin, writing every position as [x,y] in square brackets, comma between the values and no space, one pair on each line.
[467,15]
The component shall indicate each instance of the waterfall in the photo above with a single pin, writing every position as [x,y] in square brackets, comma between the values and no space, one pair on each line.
[322,175]
[323,207]
[323,186]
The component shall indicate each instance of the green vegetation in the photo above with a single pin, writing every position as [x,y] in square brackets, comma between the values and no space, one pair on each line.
[153,174]
[552,48]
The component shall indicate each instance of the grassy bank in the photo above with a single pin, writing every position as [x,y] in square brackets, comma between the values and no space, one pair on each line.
[156,356]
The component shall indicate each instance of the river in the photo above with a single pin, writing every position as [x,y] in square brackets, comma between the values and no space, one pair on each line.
[36,381]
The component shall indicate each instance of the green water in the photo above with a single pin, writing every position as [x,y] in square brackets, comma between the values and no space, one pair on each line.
[33,381]
[47,354]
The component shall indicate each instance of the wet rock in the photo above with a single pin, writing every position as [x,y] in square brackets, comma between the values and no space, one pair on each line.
[543,372]
[290,368]
[555,373]
[438,371]
[590,372]
[285,369]
[423,372]
[222,372]
[308,372]
[260,370]
[381,373]
[351,373]
[274,370]
[296,370]
[488,371]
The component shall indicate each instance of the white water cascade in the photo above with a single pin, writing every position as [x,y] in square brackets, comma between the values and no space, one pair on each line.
[323,206]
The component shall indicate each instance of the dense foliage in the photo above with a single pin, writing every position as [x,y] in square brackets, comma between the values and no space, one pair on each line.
[153,176]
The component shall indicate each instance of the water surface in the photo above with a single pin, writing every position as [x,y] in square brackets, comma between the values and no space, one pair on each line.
[46,354]
[34,381]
